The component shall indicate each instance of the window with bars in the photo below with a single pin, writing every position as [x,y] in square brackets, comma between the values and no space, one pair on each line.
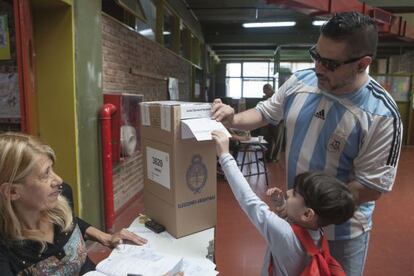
[246,79]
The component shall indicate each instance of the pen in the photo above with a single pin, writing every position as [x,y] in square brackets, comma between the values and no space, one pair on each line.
[130,274]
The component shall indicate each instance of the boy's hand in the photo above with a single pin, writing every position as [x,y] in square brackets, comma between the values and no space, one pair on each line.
[222,142]
[279,203]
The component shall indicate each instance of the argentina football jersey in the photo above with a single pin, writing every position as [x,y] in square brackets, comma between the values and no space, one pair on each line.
[355,137]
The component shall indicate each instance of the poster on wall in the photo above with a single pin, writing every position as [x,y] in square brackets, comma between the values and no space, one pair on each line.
[173,89]
[4,38]
[9,96]
[397,86]
[197,90]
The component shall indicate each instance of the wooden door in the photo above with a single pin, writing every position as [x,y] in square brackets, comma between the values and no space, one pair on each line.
[26,66]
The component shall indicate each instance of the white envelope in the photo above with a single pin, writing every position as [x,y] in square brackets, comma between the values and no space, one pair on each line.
[201,128]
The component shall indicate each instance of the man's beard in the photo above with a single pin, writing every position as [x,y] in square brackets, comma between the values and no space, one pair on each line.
[325,84]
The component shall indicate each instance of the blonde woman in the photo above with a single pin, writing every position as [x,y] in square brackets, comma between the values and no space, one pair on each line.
[38,233]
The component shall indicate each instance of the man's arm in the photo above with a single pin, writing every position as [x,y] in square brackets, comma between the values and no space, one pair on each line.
[375,166]
[362,193]
[249,120]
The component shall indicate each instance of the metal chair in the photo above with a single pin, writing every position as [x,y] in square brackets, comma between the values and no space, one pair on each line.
[254,146]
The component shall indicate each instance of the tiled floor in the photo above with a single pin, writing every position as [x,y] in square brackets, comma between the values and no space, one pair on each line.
[240,249]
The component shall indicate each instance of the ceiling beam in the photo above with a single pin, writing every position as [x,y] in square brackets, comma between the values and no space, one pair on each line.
[388,3]
[240,39]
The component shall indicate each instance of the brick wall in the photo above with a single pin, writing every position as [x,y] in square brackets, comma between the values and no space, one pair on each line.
[134,64]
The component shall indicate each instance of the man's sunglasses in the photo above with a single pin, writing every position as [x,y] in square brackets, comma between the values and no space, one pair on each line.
[330,64]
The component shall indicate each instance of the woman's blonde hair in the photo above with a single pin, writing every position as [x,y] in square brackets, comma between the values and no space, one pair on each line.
[18,155]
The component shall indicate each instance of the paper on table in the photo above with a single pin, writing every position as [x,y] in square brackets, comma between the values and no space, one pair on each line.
[201,128]
[131,258]
[187,255]
[94,273]
[193,267]
[155,240]
[187,247]
[139,260]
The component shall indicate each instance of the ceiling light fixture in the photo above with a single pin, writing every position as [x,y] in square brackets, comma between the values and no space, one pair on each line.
[269,24]
[318,22]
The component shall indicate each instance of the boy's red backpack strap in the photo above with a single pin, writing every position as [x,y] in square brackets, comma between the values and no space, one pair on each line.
[322,263]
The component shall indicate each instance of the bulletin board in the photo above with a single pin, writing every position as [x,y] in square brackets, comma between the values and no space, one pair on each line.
[9,96]
[399,86]
[4,38]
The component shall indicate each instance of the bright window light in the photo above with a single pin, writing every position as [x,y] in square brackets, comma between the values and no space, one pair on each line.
[318,22]
[269,24]
[146,32]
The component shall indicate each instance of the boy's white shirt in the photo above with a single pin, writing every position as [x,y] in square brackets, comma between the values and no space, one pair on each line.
[289,258]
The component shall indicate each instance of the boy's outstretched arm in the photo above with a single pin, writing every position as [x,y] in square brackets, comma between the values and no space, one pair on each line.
[271,227]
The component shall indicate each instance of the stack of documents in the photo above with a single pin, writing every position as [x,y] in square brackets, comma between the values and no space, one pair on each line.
[176,258]
[141,260]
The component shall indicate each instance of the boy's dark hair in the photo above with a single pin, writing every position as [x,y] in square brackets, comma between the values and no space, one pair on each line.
[329,197]
[359,31]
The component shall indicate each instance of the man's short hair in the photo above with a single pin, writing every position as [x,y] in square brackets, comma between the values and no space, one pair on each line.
[359,31]
[329,197]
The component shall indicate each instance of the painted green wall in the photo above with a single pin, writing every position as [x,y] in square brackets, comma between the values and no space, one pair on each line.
[88,67]
[409,17]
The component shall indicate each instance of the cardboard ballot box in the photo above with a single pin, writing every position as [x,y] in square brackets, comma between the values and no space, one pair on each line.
[179,171]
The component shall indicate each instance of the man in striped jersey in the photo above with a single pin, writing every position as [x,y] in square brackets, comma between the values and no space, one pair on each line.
[340,121]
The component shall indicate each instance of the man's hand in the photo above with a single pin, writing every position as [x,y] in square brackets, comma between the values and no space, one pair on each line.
[222,142]
[222,113]
[362,193]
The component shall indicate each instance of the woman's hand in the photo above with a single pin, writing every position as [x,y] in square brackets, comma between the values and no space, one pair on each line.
[112,240]
[222,142]
[124,236]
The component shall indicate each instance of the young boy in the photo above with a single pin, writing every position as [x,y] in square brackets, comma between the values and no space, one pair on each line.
[316,200]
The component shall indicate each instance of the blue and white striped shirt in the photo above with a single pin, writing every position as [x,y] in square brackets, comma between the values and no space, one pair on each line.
[353,137]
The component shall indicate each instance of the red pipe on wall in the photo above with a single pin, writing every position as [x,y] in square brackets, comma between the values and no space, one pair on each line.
[105,116]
